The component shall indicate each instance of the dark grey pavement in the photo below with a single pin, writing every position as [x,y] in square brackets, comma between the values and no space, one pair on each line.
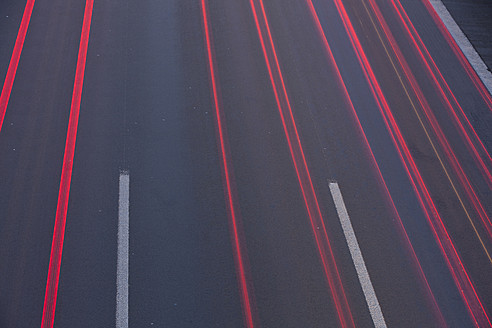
[147,108]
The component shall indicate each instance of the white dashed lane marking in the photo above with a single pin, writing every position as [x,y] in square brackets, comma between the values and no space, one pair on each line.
[123,250]
[360,266]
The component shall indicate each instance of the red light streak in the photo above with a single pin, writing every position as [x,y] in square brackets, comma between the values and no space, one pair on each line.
[456,49]
[401,227]
[427,58]
[66,176]
[470,192]
[14,60]
[238,253]
[309,195]
[453,260]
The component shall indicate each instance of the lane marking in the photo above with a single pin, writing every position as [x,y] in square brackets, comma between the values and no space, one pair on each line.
[122,272]
[402,230]
[14,60]
[440,81]
[360,266]
[448,249]
[66,176]
[318,227]
[453,161]
[464,44]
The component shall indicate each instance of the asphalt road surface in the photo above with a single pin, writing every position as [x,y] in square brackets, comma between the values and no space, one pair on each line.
[247,163]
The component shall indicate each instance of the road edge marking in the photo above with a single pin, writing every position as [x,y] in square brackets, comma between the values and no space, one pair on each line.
[464,43]
[122,262]
[358,260]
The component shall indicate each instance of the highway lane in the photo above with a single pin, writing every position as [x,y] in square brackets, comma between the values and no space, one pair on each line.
[297,87]
[473,251]
[148,107]
[320,84]
[178,210]
[32,151]
[88,271]
[343,164]
[153,118]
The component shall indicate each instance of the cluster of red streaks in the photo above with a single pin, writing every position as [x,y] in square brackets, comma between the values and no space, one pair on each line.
[14,60]
[428,62]
[456,49]
[470,192]
[451,256]
[309,195]
[66,176]
[248,313]
[401,227]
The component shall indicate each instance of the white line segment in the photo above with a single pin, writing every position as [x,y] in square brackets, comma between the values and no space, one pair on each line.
[123,250]
[360,266]
[464,44]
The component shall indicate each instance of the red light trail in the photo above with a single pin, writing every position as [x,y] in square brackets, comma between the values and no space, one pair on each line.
[470,192]
[14,61]
[66,176]
[458,271]
[461,57]
[239,251]
[428,62]
[309,195]
[402,230]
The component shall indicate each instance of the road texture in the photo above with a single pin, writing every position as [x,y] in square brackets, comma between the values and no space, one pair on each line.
[249,163]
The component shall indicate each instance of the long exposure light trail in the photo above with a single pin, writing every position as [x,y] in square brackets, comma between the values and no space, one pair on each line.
[239,251]
[64,192]
[451,157]
[431,298]
[457,269]
[14,61]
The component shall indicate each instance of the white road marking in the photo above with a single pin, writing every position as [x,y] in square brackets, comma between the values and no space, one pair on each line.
[123,250]
[360,266]
[464,44]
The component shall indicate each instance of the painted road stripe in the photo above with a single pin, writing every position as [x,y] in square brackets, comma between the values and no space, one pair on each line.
[360,266]
[464,44]
[123,249]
